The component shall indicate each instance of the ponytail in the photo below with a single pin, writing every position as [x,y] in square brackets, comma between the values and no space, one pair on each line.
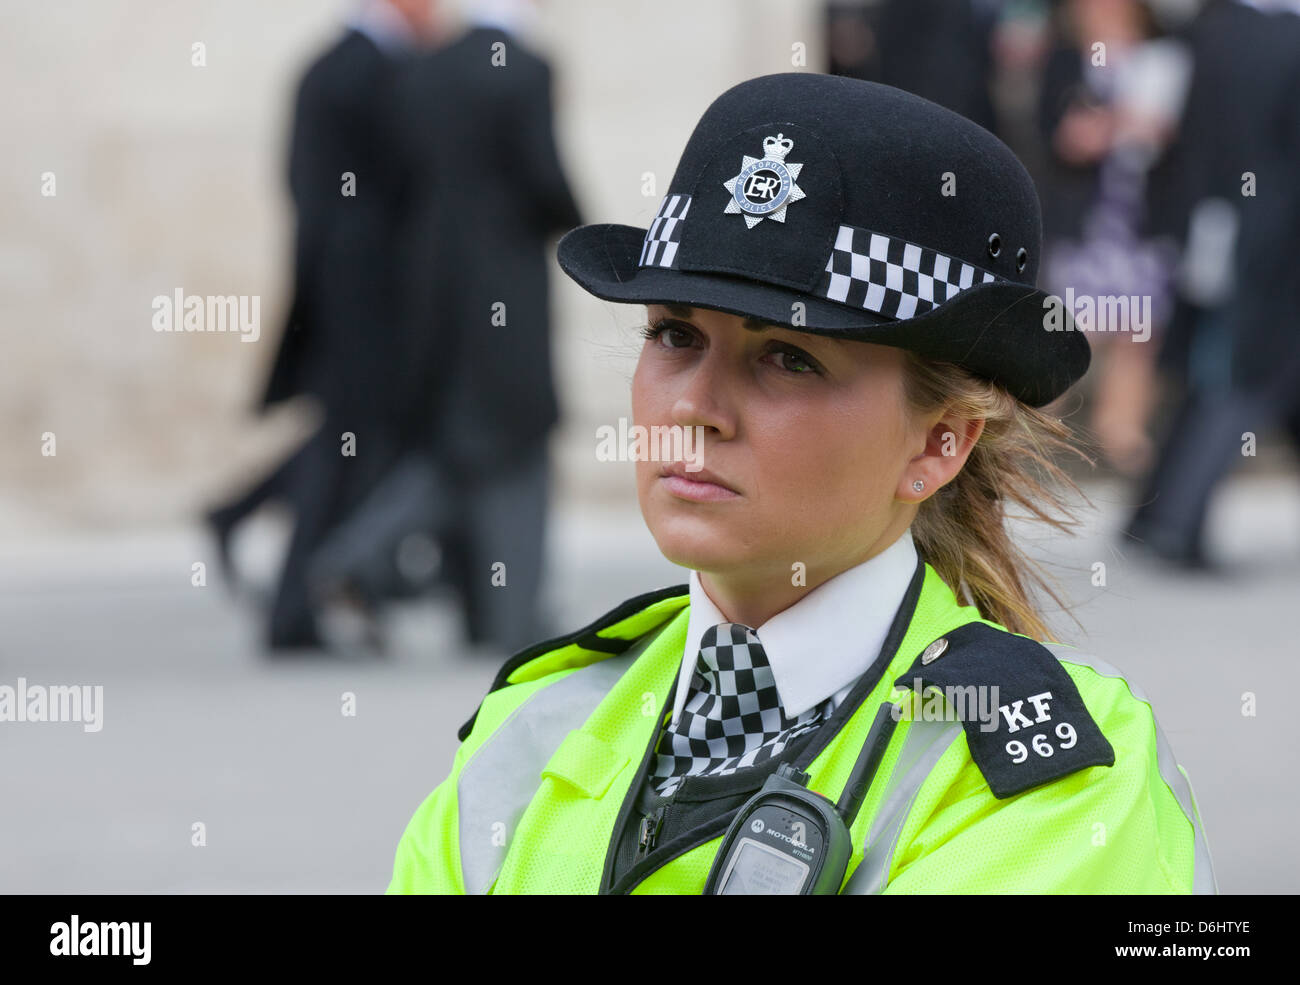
[960,531]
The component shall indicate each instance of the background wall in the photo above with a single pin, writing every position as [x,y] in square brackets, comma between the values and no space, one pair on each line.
[170,175]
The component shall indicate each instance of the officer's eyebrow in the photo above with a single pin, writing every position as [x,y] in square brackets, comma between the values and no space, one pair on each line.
[751,324]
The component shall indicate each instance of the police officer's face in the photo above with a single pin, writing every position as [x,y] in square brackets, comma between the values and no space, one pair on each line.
[806,440]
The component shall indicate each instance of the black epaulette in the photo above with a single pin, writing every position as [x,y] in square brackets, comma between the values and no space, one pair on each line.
[1038,728]
[588,638]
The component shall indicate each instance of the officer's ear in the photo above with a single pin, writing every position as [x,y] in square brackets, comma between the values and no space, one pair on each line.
[948,441]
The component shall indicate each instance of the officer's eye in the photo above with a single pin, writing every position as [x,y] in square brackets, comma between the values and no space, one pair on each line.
[800,362]
[790,359]
[656,329]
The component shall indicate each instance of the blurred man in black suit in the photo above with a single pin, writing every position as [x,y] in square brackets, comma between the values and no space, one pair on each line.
[343,343]
[491,194]
[1243,353]
[939,49]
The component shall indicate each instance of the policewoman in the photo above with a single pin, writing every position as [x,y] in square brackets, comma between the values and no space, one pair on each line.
[854,693]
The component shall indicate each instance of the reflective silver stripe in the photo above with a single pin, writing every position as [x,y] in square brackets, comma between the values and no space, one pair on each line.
[499,780]
[926,742]
[1203,881]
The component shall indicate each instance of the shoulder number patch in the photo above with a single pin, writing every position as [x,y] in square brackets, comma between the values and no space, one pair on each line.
[1036,729]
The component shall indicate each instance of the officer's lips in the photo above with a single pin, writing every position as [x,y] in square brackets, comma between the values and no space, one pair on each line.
[700,486]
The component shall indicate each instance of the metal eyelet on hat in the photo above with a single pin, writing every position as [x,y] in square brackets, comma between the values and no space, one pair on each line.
[995,245]
[1022,258]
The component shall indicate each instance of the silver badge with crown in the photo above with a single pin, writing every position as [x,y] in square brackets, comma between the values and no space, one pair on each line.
[766,185]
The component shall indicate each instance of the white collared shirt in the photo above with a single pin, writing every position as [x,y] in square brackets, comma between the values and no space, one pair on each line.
[383,25]
[518,17]
[822,644]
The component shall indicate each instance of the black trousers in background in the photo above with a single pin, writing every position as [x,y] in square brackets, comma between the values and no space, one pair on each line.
[496,532]
[1203,444]
[490,524]
[324,487]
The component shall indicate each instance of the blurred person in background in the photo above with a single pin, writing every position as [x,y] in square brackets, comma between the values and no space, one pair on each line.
[489,193]
[1111,95]
[939,49]
[1238,162]
[343,341]
[851,47]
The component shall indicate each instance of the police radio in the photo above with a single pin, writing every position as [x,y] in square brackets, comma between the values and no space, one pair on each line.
[788,840]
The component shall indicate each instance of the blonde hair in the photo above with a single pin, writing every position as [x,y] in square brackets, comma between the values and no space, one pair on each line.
[960,530]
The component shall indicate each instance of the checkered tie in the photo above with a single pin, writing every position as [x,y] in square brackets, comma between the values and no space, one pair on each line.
[733,716]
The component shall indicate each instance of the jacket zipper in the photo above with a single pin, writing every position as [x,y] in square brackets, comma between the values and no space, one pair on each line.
[651,824]
[630,802]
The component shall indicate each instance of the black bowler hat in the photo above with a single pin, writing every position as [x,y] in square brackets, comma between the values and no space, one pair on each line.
[891,219]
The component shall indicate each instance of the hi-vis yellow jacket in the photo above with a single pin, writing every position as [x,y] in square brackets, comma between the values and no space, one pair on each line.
[1070,787]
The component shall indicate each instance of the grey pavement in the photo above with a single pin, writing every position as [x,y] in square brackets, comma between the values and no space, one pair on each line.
[295,796]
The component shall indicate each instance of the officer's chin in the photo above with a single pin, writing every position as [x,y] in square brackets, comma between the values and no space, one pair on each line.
[691,538]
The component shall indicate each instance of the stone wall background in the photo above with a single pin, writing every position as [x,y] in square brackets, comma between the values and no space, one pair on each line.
[170,175]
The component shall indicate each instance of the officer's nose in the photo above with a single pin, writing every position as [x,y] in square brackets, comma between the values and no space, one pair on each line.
[707,395]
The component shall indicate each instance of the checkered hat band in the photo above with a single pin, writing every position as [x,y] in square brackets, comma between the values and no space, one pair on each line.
[733,717]
[866,269]
[661,239]
[891,276]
